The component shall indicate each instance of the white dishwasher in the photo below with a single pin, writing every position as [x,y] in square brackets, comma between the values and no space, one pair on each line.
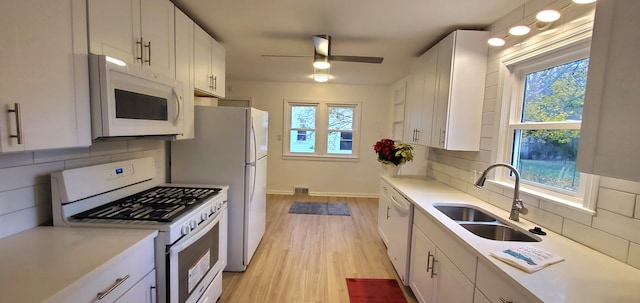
[398,225]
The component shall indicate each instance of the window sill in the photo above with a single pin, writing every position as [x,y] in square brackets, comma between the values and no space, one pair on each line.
[329,158]
[570,205]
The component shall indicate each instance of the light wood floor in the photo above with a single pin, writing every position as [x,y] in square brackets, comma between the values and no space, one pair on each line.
[306,258]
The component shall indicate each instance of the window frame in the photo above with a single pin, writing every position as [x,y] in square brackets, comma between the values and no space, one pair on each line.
[321,131]
[512,72]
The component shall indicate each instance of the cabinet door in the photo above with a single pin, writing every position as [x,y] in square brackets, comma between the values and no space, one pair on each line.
[44,69]
[384,207]
[430,61]
[185,70]
[422,254]
[157,31]
[441,105]
[609,141]
[413,111]
[114,29]
[452,285]
[218,68]
[142,292]
[202,56]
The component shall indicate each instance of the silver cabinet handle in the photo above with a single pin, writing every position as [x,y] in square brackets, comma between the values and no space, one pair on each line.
[16,110]
[215,83]
[503,300]
[211,81]
[141,44]
[429,256]
[148,47]
[433,265]
[115,285]
[442,137]
[388,208]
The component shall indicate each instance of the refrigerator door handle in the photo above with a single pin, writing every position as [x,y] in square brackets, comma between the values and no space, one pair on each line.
[255,160]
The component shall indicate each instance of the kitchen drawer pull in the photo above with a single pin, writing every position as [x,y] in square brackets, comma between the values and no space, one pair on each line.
[503,300]
[148,46]
[141,50]
[18,134]
[119,281]
[429,256]
[215,83]
[433,267]
[388,208]
[211,81]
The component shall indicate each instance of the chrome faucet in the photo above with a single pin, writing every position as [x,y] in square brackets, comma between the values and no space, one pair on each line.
[517,207]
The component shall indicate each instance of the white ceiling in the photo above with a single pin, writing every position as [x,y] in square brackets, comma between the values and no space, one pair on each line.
[397,30]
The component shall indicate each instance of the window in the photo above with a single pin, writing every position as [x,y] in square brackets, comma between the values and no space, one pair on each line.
[542,131]
[321,129]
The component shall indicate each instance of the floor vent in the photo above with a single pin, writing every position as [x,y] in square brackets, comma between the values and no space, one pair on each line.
[303,191]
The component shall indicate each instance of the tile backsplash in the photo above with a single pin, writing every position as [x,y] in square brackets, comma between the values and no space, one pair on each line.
[25,189]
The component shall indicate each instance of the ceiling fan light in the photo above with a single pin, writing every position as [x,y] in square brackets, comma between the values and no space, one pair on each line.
[519,30]
[584,1]
[496,41]
[321,77]
[548,15]
[321,64]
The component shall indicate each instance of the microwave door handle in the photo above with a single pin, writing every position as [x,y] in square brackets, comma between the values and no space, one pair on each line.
[175,121]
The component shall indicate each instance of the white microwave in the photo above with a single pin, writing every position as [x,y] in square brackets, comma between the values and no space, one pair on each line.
[129,101]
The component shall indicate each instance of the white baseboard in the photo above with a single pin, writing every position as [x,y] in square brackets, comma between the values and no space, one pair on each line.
[325,194]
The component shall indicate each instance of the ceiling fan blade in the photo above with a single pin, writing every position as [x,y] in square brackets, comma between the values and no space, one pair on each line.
[359,59]
[322,44]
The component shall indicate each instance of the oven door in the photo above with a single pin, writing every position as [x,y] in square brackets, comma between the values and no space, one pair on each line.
[194,261]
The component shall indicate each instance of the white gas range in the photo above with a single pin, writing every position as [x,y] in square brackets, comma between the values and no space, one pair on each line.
[191,219]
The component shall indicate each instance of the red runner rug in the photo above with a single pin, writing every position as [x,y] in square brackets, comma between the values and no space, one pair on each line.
[374,291]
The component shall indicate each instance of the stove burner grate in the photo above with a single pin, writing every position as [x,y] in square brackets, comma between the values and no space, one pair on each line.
[158,204]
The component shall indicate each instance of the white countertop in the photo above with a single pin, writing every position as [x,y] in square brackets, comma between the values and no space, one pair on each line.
[584,276]
[40,262]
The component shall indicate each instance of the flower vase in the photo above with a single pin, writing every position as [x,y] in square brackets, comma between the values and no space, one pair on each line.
[391,170]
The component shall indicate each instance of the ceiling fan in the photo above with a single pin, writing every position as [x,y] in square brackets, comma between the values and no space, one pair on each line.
[322,54]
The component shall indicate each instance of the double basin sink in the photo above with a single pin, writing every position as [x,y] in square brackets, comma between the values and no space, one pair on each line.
[484,224]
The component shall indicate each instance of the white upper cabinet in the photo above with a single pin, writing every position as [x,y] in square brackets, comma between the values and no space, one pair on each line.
[609,141]
[420,98]
[185,70]
[210,65]
[44,69]
[138,32]
[445,92]
[460,74]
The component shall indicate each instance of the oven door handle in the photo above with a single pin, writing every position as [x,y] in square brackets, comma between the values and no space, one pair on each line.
[184,243]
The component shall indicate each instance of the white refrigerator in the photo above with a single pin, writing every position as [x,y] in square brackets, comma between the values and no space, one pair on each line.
[229,148]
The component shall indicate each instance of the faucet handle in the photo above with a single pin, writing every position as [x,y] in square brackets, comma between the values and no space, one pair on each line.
[524,210]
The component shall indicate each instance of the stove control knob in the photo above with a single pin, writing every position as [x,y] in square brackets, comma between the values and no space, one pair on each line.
[185,229]
[193,224]
[204,216]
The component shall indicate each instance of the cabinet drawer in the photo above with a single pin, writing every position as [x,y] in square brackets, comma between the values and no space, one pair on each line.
[499,288]
[386,189]
[131,266]
[449,244]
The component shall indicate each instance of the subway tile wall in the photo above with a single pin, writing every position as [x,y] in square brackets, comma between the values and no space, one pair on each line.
[614,229]
[25,188]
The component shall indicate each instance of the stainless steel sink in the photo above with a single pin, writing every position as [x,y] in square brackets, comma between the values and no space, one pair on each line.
[484,224]
[465,213]
[498,232]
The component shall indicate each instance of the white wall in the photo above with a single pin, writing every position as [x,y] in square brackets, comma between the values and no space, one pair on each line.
[25,189]
[613,230]
[359,178]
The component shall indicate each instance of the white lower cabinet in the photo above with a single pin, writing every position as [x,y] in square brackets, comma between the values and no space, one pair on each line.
[434,276]
[395,216]
[128,278]
[143,292]
[500,289]
[479,297]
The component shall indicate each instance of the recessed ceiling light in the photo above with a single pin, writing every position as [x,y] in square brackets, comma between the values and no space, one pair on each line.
[321,65]
[496,41]
[548,15]
[519,30]
[584,1]
[320,77]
